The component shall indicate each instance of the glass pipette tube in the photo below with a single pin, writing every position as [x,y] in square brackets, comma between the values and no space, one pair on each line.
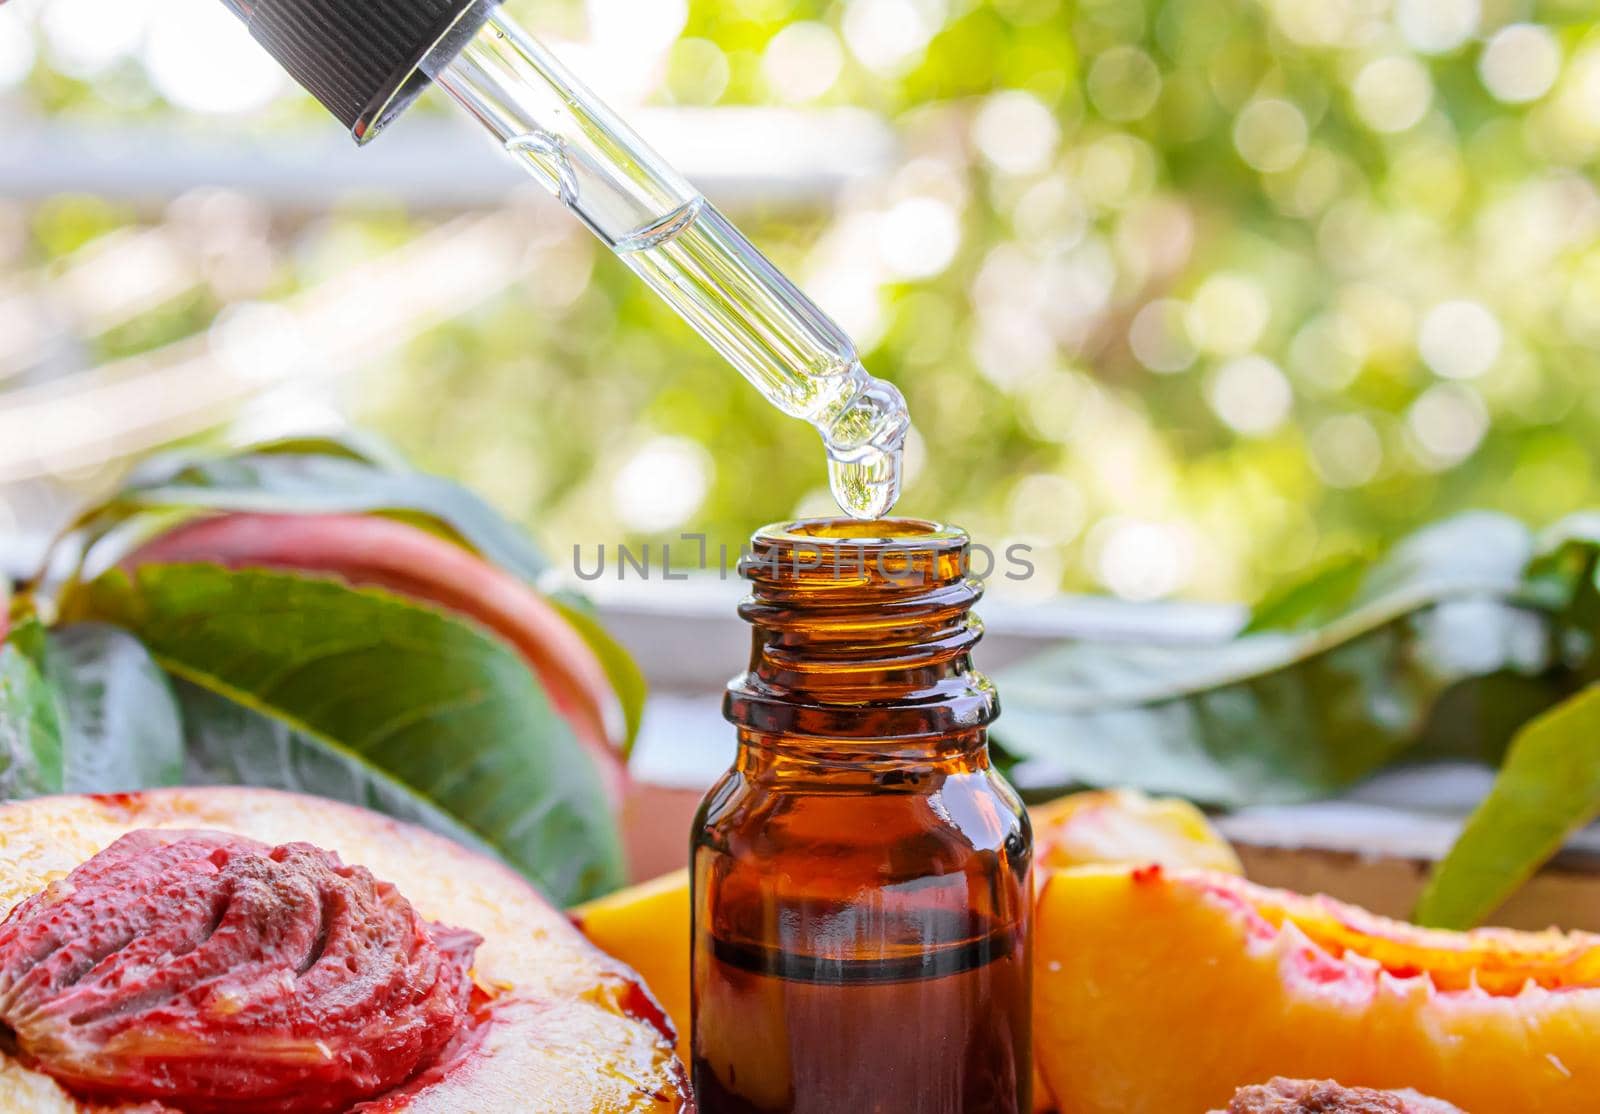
[688,252]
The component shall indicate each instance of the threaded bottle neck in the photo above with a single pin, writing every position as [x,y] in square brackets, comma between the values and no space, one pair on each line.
[862,630]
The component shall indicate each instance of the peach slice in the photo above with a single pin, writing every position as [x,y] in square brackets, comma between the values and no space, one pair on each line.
[1125,826]
[1109,826]
[1159,992]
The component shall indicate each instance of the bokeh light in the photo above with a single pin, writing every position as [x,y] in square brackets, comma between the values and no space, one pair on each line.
[803,61]
[1447,424]
[1250,394]
[202,59]
[698,72]
[662,484]
[637,29]
[1346,450]
[1159,337]
[1270,134]
[1124,83]
[919,237]
[1460,339]
[1393,93]
[1437,26]
[85,37]
[1520,63]
[1228,314]
[16,46]
[1142,561]
[1049,507]
[1016,133]
[889,35]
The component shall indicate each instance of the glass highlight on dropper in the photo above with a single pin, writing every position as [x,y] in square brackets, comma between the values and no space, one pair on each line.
[367,60]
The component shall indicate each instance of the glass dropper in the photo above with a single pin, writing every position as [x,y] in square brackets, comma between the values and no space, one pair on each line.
[367,59]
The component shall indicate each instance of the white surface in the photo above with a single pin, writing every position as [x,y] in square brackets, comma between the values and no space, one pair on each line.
[737,156]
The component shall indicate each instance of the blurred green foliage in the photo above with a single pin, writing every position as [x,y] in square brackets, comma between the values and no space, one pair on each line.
[1189,296]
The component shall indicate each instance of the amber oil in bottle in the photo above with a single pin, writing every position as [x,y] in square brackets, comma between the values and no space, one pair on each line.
[861,875]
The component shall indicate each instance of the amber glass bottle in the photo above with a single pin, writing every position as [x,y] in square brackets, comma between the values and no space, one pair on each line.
[861,875]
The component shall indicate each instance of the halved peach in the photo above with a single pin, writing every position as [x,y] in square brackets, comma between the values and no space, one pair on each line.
[1159,992]
[570,1031]
[647,927]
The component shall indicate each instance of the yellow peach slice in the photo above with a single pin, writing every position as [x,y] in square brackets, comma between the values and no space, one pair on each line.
[1111,826]
[1125,826]
[1164,991]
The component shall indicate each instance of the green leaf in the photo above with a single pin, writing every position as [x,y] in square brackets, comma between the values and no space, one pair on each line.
[230,744]
[1320,598]
[282,482]
[30,730]
[120,725]
[29,636]
[1547,790]
[627,679]
[1289,716]
[1471,551]
[351,444]
[1565,578]
[438,705]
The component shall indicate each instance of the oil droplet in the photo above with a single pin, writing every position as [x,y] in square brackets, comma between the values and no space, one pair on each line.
[866,447]
[867,488]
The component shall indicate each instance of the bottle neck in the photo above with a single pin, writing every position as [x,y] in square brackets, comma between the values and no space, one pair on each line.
[862,641]
[876,765]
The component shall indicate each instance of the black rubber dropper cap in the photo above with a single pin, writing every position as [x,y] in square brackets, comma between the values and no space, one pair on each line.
[363,59]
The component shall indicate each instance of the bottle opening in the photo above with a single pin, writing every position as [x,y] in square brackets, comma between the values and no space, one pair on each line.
[836,559]
[881,530]
[862,629]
